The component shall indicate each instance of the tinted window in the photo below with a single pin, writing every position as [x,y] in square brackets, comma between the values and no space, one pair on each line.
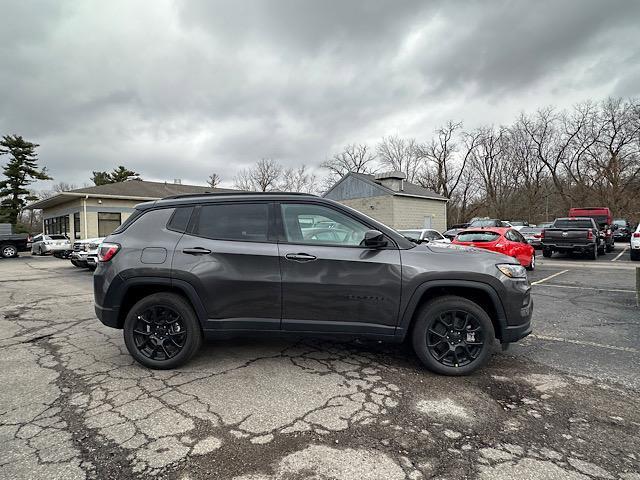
[297,217]
[234,221]
[58,237]
[569,223]
[477,237]
[530,230]
[180,219]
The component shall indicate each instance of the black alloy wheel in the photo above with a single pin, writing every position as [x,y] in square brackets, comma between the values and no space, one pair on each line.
[455,339]
[162,331]
[453,335]
[159,333]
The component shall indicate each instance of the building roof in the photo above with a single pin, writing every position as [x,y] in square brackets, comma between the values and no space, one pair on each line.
[140,190]
[408,189]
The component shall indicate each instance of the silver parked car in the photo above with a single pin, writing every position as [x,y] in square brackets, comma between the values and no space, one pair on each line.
[421,234]
[57,244]
[85,252]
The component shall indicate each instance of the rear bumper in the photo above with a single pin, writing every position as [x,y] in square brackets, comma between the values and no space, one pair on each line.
[569,248]
[108,316]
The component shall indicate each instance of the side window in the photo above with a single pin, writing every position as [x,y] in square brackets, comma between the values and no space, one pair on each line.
[233,221]
[510,236]
[316,224]
[519,237]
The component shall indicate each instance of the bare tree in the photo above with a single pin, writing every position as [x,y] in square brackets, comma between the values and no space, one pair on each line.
[400,154]
[214,180]
[356,158]
[262,177]
[298,180]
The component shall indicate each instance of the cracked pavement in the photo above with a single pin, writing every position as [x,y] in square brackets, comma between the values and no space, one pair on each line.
[74,405]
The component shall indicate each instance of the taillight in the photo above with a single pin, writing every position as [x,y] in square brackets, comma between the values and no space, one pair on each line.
[106,251]
[538,235]
[542,234]
[636,235]
[590,235]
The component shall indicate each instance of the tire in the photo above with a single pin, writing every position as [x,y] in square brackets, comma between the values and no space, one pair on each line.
[8,251]
[532,265]
[430,325]
[601,250]
[635,255]
[75,263]
[546,253]
[189,333]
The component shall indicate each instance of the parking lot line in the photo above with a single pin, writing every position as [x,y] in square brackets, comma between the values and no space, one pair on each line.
[583,342]
[619,255]
[549,277]
[586,288]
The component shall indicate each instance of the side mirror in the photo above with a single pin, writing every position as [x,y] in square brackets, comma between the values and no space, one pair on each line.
[374,239]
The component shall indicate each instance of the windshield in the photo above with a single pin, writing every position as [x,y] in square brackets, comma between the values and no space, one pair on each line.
[477,237]
[411,233]
[572,223]
[532,230]
[622,223]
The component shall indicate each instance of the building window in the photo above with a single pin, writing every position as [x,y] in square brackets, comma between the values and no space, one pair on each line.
[107,223]
[76,225]
[57,225]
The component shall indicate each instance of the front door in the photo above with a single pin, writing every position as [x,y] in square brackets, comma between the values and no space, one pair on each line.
[231,259]
[330,283]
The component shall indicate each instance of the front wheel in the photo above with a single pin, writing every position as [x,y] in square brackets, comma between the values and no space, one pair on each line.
[161,331]
[453,336]
[546,252]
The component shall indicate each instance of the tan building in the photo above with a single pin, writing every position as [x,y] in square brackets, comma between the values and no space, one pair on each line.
[390,199]
[96,211]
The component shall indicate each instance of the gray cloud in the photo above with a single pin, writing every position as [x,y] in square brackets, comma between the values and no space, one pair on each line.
[181,89]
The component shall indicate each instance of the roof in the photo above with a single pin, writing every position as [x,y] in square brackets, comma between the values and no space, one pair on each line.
[226,196]
[408,189]
[139,190]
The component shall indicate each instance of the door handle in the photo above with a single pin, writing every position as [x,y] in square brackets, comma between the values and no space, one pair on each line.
[196,251]
[300,257]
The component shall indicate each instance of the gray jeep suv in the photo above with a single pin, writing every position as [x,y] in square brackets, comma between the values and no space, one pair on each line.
[219,265]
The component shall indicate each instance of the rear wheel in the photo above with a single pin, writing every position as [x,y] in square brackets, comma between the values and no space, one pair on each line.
[546,253]
[635,254]
[75,263]
[453,336]
[161,331]
[8,251]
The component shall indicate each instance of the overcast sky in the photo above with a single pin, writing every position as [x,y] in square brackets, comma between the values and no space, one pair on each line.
[182,89]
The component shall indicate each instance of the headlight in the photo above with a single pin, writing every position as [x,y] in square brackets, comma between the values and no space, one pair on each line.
[512,271]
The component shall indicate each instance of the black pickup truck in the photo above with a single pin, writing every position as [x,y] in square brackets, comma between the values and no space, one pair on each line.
[575,234]
[10,245]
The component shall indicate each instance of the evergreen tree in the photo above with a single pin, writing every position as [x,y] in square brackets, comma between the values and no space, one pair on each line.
[20,171]
[120,174]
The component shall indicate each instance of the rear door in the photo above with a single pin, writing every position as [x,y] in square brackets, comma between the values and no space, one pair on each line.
[335,284]
[230,256]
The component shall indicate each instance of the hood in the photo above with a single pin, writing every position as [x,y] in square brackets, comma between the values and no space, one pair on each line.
[470,252]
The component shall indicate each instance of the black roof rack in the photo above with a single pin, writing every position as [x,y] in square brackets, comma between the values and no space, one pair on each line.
[239,194]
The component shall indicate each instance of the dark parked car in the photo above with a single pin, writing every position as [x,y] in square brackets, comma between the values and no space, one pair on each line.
[622,230]
[533,235]
[573,234]
[221,265]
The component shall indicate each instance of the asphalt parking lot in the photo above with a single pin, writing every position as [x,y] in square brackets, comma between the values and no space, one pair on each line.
[562,404]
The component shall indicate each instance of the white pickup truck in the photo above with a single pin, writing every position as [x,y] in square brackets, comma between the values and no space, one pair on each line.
[85,253]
